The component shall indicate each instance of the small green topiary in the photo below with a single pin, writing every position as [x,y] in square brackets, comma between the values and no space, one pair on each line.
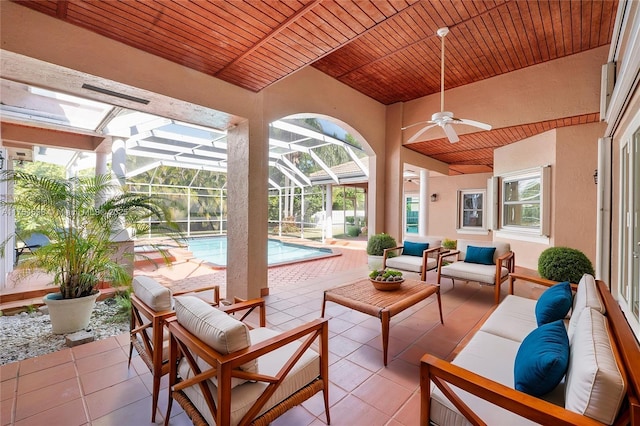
[377,243]
[564,264]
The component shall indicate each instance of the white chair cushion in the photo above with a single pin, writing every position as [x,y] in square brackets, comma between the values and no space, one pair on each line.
[304,372]
[587,296]
[595,386]
[472,272]
[222,332]
[410,263]
[152,293]
[514,318]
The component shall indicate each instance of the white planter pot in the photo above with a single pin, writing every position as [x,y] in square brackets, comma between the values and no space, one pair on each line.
[375,262]
[69,315]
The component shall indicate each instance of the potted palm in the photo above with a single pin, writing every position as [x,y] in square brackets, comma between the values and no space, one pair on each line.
[81,217]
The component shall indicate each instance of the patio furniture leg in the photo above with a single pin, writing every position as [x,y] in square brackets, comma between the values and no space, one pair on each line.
[439,305]
[385,318]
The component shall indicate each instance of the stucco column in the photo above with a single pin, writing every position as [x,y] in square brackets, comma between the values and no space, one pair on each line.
[423,215]
[7,226]
[119,159]
[328,221]
[247,177]
[393,200]
[101,163]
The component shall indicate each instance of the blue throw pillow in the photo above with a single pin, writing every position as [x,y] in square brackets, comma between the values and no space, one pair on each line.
[542,359]
[414,249]
[481,255]
[554,303]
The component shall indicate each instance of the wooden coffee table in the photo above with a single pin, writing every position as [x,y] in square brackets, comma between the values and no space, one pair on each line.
[363,297]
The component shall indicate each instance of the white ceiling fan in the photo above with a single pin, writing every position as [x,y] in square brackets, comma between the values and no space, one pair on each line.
[444,119]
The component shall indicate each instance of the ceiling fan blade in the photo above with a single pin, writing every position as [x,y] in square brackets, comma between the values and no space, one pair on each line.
[414,124]
[474,123]
[420,132]
[451,134]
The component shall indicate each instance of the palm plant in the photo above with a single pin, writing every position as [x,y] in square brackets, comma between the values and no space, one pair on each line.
[80,215]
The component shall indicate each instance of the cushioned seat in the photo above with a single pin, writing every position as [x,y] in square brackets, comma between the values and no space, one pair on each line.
[151,305]
[225,373]
[416,254]
[486,262]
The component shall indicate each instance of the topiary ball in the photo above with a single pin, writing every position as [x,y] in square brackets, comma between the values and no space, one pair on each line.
[377,243]
[564,264]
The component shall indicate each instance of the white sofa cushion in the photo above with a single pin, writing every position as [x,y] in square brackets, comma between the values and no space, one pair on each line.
[514,318]
[304,372]
[493,357]
[587,296]
[217,329]
[152,293]
[595,386]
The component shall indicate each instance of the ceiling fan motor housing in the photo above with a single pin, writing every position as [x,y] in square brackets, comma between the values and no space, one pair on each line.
[442,117]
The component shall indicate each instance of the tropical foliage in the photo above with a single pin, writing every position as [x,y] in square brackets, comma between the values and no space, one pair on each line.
[80,216]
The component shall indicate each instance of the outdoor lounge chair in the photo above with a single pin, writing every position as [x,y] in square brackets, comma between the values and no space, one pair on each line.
[416,254]
[31,244]
[151,305]
[487,262]
[224,373]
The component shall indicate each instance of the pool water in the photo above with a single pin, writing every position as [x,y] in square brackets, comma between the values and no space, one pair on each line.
[214,250]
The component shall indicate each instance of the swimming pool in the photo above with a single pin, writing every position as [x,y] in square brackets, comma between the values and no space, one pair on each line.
[214,250]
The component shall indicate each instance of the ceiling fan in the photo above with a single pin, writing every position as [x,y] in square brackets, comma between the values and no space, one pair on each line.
[444,119]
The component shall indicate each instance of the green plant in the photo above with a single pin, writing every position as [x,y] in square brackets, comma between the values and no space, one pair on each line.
[564,264]
[80,216]
[353,231]
[449,244]
[385,275]
[378,242]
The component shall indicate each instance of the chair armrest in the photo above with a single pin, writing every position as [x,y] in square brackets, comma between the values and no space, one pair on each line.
[317,327]
[443,373]
[448,254]
[248,305]
[385,254]
[535,280]
[215,288]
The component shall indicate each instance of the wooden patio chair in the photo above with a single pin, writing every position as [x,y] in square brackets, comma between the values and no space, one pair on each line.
[151,305]
[224,373]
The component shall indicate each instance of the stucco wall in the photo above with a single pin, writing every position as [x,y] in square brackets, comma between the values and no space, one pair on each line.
[575,193]
[443,212]
[537,151]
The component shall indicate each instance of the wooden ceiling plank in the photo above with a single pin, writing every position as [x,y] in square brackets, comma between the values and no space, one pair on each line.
[350,12]
[556,21]
[339,30]
[178,31]
[307,8]
[123,31]
[576,26]
[546,19]
[586,30]
[513,21]
[530,30]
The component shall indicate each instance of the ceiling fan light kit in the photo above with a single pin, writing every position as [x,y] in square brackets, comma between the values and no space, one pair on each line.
[444,119]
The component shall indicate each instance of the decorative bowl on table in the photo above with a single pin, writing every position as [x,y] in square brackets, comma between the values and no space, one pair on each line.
[386,280]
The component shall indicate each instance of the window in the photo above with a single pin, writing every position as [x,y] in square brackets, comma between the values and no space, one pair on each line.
[524,202]
[471,210]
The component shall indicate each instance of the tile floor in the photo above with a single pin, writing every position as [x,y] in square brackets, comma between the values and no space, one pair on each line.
[91,384]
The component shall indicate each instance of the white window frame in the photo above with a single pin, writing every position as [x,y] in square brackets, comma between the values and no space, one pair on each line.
[461,228]
[523,232]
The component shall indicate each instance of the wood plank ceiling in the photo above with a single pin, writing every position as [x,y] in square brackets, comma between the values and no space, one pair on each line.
[385,49]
